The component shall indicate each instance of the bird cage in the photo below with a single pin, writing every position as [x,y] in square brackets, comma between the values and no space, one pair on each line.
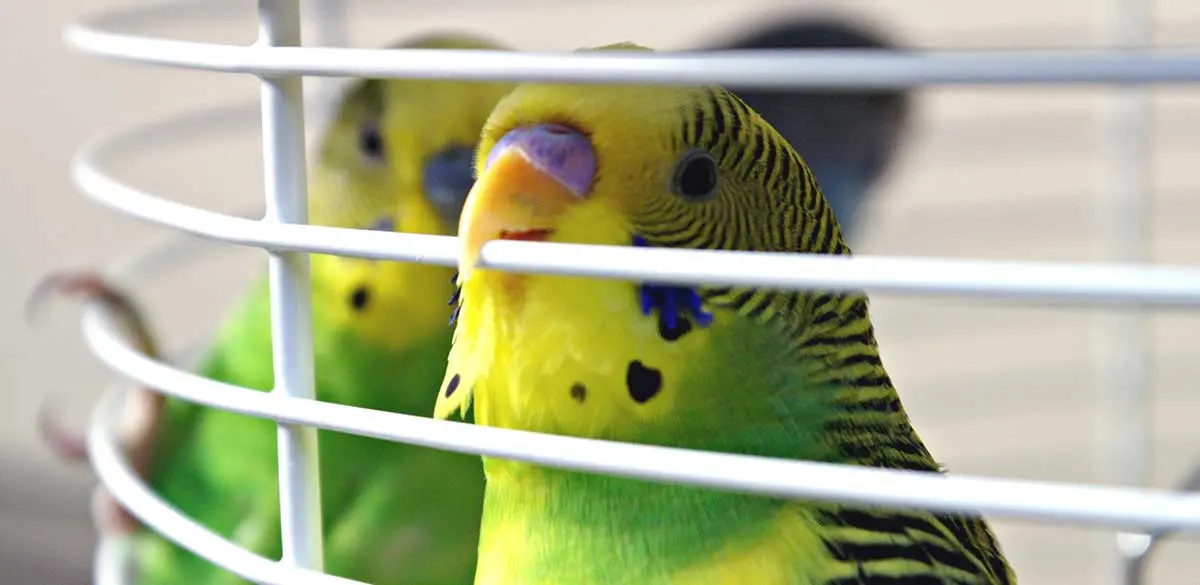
[279,62]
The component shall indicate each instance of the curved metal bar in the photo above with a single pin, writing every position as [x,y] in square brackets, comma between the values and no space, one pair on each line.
[1078,282]
[759,475]
[99,35]
[139,499]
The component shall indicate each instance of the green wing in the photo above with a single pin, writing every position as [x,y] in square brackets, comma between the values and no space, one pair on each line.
[392,513]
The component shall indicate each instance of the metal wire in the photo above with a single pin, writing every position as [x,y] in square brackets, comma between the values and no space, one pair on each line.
[179,251]
[848,68]
[1076,282]
[291,295]
[137,497]
[114,556]
[1134,508]
[291,405]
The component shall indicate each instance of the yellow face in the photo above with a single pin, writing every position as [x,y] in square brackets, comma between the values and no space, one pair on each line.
[515,194]
[566,355]
[618,165]
[399,157]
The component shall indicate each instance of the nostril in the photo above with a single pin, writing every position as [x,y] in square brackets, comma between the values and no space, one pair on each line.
[558,129]
[360,298]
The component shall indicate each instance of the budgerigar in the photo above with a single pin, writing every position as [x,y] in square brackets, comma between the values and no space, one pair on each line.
[847,137]
[767,372]
[398,156]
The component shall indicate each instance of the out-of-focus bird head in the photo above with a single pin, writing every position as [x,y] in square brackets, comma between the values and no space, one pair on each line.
[849,137]
[398,156]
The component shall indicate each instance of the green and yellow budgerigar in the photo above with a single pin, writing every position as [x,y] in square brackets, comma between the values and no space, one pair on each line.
[742,370]
[398,156]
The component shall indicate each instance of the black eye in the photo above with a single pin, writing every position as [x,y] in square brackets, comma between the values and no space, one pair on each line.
[359,298]
[696,175]
[370,141]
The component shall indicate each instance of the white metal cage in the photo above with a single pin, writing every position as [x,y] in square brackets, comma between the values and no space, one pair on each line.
[278,61]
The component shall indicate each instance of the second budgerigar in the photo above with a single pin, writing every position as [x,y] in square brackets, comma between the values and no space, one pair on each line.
[398,156]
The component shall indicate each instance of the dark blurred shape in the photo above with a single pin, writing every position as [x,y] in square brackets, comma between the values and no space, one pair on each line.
[848,137]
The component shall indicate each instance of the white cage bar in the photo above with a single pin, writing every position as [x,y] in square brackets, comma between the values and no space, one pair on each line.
[291,295]
[279,63]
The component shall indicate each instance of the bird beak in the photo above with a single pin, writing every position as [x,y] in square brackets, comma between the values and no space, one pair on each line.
[532,176]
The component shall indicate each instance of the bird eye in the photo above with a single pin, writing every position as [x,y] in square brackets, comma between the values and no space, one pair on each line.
[696,175]
[370,141]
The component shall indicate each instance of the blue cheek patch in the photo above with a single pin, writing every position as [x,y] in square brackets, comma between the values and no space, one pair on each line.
[447,177]
[678,306]
[386,223]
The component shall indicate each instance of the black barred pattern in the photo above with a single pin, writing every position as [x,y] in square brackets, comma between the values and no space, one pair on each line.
[862,577]
[955,549]
[761,176]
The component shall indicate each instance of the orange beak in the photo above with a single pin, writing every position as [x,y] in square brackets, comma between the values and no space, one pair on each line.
[532,176]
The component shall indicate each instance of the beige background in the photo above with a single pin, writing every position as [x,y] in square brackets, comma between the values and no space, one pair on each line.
[988,172]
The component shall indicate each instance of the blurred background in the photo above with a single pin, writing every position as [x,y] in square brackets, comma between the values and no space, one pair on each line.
[985,172]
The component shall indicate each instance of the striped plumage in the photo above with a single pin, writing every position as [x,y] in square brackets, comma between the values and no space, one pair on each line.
[848,136]
[791,374]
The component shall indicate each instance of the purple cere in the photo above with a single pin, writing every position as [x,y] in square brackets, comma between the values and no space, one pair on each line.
[385,223]
[559,151]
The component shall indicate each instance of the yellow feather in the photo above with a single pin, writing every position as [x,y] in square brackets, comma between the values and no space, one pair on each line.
[533,353]
[770,560]
[416,118]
